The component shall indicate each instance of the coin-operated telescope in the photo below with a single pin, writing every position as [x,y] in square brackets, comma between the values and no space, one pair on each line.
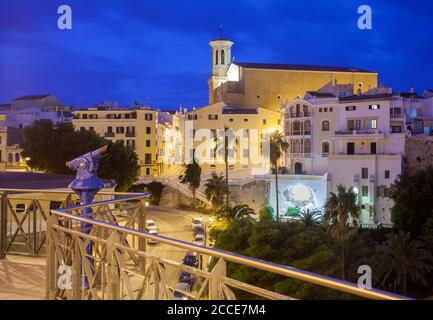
[87,183]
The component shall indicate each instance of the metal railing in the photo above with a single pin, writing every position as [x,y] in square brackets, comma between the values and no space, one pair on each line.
[120,266]
[359,132]
[23,216]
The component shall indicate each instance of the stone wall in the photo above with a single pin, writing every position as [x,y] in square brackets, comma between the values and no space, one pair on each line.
[255,194]
[419,153]
[171,198]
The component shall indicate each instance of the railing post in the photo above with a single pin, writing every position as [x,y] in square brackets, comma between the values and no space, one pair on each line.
[51,270]
[142,227]
[215,290]
[3,225]
[113,274]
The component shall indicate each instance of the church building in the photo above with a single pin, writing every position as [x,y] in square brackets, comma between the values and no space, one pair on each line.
[268,85]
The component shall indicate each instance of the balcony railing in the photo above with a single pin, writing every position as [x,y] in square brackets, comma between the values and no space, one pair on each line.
[298,133]
[398,116]
[359,132]
[130,134]
[300,155]
[109,134]
[298,114]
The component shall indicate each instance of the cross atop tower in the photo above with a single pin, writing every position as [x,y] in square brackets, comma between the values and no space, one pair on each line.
[221,31]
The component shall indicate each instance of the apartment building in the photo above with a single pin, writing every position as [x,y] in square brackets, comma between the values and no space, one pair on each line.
[245,127]
[355,140]
[136,128]
[23,111]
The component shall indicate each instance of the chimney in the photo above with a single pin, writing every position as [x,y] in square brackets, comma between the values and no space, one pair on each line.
[411,89]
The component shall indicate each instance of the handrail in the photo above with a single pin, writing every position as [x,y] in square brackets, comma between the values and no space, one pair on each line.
[287,271]
[104,193]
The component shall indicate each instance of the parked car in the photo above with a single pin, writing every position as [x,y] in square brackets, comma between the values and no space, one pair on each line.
[150,225]
[190,259]
[197,222]
[199,230]
[152,232]
[199,239]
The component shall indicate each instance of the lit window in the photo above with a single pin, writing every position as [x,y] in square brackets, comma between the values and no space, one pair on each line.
[373,124]
[374,106]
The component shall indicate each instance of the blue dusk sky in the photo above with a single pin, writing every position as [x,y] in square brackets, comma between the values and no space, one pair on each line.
[157,52]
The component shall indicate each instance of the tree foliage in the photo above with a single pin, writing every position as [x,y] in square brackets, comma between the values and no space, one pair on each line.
[49,148]
[192,177]
[285,243]
[216,189]
[230,214]
[413,203]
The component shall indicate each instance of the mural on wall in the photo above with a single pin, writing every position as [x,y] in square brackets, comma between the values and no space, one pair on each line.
[299,192]
[298,197]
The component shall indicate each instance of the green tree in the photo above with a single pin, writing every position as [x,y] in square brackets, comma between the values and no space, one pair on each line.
[191,177]
[310,218]
[402,258]
[120,164]
[50,147]
[266,213]
[238,212]
[339,209]
[216,189]
[413,202]
[289,244]
[278,146]
[155,188]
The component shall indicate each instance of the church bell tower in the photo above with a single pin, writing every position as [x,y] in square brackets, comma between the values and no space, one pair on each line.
[221,59]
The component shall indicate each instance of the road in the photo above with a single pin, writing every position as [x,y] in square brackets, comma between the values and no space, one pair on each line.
[175,224]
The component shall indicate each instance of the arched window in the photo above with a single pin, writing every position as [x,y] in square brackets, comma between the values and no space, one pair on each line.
[223,58]
[216,57]
[325,125]
[325,149]
[10,158]
[17,157]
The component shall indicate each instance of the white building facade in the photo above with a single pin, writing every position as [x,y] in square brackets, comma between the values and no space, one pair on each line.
[354,140]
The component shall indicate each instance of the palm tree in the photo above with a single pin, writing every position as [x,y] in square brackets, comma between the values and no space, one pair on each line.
[401,258]
[310,218]
[216,189]
[238,212]
[278,146]
[339,209]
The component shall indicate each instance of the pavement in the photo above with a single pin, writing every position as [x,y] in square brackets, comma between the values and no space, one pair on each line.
[22,278]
